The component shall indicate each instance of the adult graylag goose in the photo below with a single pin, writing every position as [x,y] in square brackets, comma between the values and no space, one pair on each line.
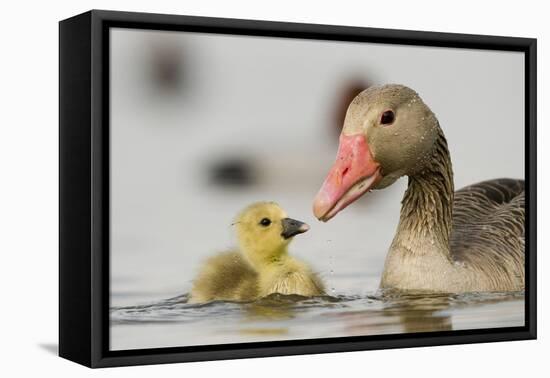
[446,241]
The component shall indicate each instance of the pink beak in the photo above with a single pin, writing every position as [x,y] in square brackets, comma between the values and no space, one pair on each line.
[353,174]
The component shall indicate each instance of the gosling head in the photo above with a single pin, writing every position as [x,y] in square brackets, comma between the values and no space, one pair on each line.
[388,132]
[264,231]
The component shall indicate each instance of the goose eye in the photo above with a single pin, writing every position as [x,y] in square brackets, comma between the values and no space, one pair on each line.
[387,117]
[265,222]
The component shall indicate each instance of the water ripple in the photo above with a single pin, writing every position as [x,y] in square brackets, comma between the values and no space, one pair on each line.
[277,306]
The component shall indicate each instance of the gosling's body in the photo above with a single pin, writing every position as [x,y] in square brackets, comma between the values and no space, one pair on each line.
[261,265]
[288,275]
[228,277]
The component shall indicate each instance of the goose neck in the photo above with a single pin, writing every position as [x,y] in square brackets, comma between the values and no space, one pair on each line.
[426,212]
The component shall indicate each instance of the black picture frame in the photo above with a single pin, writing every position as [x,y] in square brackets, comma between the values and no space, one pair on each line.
[84,187]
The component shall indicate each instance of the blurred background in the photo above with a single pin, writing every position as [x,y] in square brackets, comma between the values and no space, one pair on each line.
[204,124]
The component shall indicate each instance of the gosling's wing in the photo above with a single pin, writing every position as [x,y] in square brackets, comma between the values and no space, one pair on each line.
[226,276]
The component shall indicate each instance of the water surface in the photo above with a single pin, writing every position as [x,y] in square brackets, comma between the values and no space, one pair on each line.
[174,322]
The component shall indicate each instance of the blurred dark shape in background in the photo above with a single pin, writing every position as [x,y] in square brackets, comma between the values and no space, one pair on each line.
[233,171]
[345,96]
[167,67]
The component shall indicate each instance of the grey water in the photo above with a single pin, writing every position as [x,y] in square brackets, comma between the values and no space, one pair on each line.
[174,322]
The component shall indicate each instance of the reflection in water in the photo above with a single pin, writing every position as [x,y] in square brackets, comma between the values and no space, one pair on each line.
[277,308]
[174,322]
[260,311]
[402,314]
[423,314]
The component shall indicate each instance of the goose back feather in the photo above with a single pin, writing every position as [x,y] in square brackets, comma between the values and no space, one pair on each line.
[488,230]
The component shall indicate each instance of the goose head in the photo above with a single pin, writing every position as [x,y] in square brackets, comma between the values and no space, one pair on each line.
[264,230]
[388,132]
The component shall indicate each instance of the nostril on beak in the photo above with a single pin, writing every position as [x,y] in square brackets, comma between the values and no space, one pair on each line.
[345,171]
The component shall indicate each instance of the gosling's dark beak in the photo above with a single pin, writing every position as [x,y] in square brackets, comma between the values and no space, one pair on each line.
[293,227]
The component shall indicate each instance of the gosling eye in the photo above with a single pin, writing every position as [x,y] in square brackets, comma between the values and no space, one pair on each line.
[265,222]
[387,117]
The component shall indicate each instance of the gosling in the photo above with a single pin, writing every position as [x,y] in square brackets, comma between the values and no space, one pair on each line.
[261,265]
